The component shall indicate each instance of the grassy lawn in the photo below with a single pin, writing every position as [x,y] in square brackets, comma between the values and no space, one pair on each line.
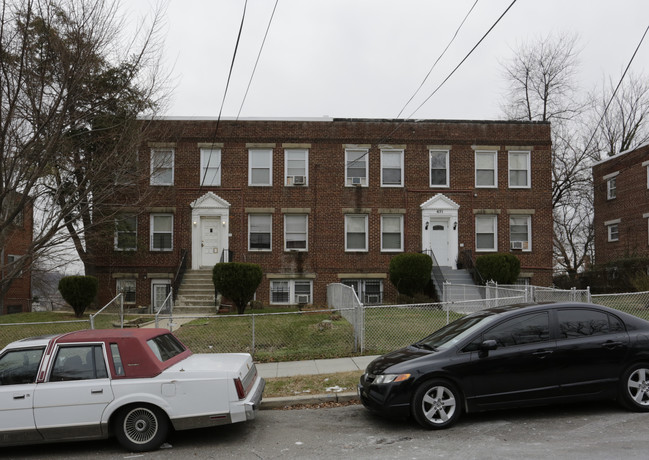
[302,385]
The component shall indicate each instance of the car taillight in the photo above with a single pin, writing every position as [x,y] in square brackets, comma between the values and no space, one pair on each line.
[239,386]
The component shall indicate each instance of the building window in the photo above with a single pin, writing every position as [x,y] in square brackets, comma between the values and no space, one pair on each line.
[259,232]
[368,291]
[126,233]
[13,259]
[356,233]
[291,292]
[296,167]
[485,233]
[356,172]
[439,172]
[260,167]
[162,232]
[127,288]
[486,165]
[519,170]
[295,232]
[392,233]
[611,188]
[613,230]
[210,167]
[162,166]
[520,232]
[391,168]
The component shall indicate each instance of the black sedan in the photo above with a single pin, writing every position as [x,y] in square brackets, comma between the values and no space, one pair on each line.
[515,356]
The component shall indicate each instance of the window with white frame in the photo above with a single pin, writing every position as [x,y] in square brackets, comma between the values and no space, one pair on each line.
[392,233]
[439,171]
[391,168]
[520,232]
[14,259]
[486,167]
[162,166]
[289,292]
[356,167]
[356,233]
[162,232]
[126,286]
[295,232]
[126,233]
[210,167]
[613,230]
[485,233]
[259,232]
[611,188]
[368,291]
[296,167]
[519,169]
[260,167]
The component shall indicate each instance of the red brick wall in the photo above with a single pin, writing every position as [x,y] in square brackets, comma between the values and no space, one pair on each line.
[327,197]
[18,242]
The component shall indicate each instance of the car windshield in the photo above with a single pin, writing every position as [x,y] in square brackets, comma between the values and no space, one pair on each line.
[454,332]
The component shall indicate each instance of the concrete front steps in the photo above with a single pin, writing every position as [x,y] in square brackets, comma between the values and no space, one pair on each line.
[462,285]
[196,294]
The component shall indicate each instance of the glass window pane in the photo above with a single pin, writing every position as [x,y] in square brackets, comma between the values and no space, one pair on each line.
[525,329]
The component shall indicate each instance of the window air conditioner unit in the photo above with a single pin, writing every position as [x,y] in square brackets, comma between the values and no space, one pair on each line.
[518,245]
[373,298]
[299,180]
[302,298]
[356,181]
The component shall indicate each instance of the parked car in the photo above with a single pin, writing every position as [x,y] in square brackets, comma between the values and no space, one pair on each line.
[135,384]
[514,356]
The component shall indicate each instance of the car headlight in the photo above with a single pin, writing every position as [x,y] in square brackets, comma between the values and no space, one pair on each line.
[390,378]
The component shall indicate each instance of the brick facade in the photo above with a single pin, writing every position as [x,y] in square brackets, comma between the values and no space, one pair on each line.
[621,203]
[19,238]
[326,199]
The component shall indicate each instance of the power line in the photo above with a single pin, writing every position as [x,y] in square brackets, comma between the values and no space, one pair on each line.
[258,56]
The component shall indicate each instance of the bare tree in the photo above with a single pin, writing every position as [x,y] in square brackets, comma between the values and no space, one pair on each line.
[69,103]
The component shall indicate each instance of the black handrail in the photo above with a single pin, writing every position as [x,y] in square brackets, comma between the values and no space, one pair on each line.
[180,273]
[436,273]
[466,259]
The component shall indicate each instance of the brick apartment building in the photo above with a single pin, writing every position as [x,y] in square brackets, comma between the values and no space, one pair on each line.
[622,205]
[19,238]
[323,201]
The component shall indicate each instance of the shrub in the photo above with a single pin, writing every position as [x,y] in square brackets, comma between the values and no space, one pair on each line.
[410,272]
[79,292]
[237,281]
[502,268]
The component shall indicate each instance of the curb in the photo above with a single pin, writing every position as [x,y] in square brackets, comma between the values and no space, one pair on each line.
[289,401]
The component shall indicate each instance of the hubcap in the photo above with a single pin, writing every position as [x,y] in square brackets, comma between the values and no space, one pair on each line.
[140,425]
[638,386]
[438,405]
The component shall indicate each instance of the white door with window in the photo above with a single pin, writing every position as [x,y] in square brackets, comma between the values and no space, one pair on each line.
[210,241]
[439,241]
[439,235]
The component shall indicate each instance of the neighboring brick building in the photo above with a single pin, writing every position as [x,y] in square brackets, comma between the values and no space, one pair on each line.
[322,201]
[622,205]
[19,238]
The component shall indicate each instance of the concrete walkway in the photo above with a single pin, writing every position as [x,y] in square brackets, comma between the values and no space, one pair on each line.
[314,366]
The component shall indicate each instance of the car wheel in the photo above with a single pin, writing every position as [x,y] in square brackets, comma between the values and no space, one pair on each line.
[141,428]
[436,404]
[634,391]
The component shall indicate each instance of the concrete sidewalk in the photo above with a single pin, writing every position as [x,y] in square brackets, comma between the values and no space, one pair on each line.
[312,367]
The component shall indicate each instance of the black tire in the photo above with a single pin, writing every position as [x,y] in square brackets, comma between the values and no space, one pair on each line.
[436,404]
[141,427]
[634,388]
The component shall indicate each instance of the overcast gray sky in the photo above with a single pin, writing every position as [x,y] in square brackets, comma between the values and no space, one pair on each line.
[366,58]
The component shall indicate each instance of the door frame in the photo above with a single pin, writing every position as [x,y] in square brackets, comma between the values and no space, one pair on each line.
[440,208]
[208,205]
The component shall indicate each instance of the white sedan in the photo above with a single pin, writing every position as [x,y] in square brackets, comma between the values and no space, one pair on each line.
[134,384]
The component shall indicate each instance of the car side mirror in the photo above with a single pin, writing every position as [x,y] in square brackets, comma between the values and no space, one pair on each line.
[486,347]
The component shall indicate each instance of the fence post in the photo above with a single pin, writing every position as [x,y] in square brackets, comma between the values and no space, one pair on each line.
[121,310]
[253,335]
[588,297]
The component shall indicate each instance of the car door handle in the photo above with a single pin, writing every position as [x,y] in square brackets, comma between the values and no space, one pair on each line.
[96,391]
[542,353]
[610,344]
[23,396]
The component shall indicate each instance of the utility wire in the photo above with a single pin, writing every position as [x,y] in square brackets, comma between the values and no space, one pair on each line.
[616,89]
[438,59]
[258,56]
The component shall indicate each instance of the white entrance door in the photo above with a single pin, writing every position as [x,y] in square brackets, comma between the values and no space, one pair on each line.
[210,241]
[439,241]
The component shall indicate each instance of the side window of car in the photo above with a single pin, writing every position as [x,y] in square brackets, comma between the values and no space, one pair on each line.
[532,328]
[586,323]
[79,363]
[20,366]
[117,359]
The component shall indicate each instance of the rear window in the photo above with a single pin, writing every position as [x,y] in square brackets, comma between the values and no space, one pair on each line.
[165,346]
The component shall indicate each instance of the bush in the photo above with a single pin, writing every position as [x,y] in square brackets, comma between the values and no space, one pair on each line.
[237,281]
[79,292]
[502,268]
[410,272]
